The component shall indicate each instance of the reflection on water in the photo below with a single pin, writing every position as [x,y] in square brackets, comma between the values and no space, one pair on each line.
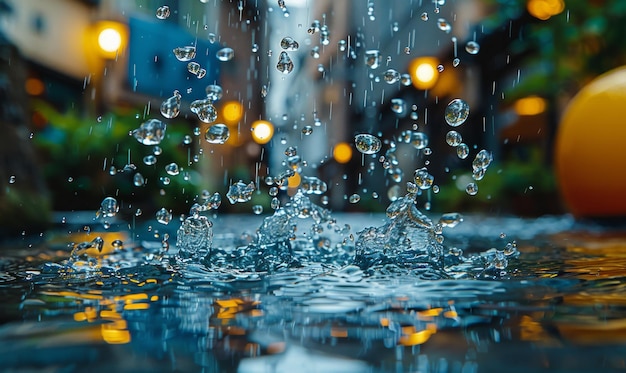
[561,309]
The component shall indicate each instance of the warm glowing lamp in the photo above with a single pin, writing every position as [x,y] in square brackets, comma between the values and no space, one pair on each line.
[423,71]
[342,152]
[110,38]
[262,131]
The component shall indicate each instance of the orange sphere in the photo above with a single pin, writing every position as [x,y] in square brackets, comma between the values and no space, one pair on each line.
[590,165]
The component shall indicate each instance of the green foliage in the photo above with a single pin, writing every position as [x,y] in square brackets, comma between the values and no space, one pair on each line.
[569,49]
[78,153]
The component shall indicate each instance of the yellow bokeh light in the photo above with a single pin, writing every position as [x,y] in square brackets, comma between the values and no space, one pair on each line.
[294,181]
[109,40]
[544,9]
[232,111]
[262,131]
[423,72]
[342,152]
[531,105]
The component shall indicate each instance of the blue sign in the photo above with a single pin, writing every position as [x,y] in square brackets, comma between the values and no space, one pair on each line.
[154,70]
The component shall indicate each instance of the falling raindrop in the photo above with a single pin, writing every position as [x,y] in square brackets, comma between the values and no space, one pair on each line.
[240,192]
[214,92]
[205,110]
[443,25]
[307,130]
[471,189]
[150,132]
[12,179]
[257,209]
[456,112]
[212,38]
[164,216]
[453,138]
[472,47]
[424,16]
[172,169]
[355,198]
[170,108]
[289,44]
[462,151]
[163,12]
[108,207]
[193,67]
[225,54]
[398,106]
[367,144]
[185,53]
[139,180]
[456,62]
[391,76]
[373,58]
[217,134]
[284,65]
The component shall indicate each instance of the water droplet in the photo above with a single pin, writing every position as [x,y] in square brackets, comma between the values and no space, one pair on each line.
[373,58]
[391,76]
[172,169]
[313,185]
[315,52]
[289,44]
[462,151]
[170,108]
[291,151]
[165,180]
[405,80]
[342,44]
[263,91]
[12,179]
[204,109]
[214,92]
[163,216]
[398,106]
[217,134]
[307,130]
[355,198]
[212,38]
[108,207]
[225,54]
[185,54]
[454,138]
[407,50]
[138,180]
[150,132]
[163,12]
[240,192]
[419,140]
[424,16]
[215,201]
[456,112]
[456,62]
[423,179]
[193,67]
[284,65]
[482,160]
[367,144]
[275,203]
[255,48]
[443,25]
[471,189]
[472,47]
[257,209]
[451,219]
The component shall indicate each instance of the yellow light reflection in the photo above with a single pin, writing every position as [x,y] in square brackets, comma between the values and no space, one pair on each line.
[109,40]
[232,111]
[342,153]
[531,105]
[339,332]
[417,338]
[262,131]
[294,181]
[423,71]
